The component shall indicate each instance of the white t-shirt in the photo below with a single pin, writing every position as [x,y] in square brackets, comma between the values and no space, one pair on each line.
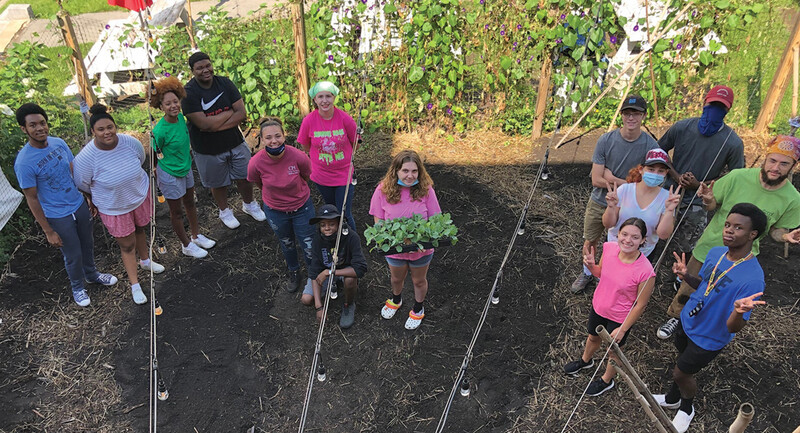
[115,177]
[629,208]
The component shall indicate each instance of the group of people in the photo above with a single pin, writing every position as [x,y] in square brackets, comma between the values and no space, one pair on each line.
[639,193]
[201,124]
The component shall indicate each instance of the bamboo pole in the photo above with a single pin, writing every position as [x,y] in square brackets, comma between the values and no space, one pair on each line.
[542,96]
[795,78]
[779,82]
[627,91]
[640,398]
[190,24]
[301,72]
[640,385]
[81,75]
[625,69]
[743,419]
[650,63]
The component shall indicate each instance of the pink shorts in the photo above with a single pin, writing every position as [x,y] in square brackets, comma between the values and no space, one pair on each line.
[123,225]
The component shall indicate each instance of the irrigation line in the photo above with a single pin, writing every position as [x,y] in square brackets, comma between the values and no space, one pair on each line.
[660,258]
[315,362]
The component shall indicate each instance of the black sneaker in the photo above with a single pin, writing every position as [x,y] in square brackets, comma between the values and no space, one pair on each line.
[575,367]
[348,315]
[598,387]
[292,281]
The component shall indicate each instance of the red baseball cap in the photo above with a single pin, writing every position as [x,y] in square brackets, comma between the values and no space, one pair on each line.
[723,94]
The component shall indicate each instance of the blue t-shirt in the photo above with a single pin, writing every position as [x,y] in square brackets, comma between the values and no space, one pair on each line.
[708,328]
[48,170]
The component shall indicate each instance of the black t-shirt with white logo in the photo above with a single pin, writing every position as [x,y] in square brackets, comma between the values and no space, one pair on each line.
[212,101]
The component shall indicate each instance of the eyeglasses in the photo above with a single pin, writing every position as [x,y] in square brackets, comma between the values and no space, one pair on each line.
[632,114]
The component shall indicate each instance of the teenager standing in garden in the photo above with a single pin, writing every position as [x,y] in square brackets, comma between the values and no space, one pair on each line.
[43,169]
[174,165]
[626,283]
[215,109]
[702,147]
[615,154]
[109,170]
[642,197]
[282,173]
[404,191]
[328,134]
[727,287]
[768,188]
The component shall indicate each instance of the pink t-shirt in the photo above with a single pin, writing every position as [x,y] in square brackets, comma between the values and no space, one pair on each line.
[329,143]
[619,283]
[406,207]
[284,187]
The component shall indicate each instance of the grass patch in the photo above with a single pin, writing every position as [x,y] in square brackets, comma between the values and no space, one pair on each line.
[60,70]
[48,8]
[754,52]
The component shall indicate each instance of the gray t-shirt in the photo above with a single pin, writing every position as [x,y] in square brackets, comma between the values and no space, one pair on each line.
[694,152]
[620,156]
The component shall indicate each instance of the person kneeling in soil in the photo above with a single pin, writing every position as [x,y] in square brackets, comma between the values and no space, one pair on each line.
[174,165]
[350,267]
[626,283]
[726,290]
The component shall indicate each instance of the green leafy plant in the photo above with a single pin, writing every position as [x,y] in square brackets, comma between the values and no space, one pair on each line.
[416,232]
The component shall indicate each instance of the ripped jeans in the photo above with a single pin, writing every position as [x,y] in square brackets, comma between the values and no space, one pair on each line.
[290,225]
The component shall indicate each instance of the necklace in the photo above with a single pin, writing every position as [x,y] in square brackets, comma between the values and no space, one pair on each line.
[712,282]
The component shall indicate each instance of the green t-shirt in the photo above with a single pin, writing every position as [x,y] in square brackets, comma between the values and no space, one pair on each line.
[172,139]
[743,185]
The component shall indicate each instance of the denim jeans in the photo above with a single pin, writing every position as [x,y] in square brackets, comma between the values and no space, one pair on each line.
[77,247]
[335,195]
[290,225]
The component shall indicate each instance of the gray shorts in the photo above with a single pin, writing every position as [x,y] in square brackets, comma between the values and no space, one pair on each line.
[173,188]
[217,171]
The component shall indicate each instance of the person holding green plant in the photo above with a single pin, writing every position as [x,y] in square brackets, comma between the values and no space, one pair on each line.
[109,172]
[43,169]
[174,165]
[404,191]
[328,134]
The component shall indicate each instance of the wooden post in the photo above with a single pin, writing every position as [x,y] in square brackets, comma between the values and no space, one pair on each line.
[640,398]
[542,95]
[795,80]
[650,63]
[81,76]
[640,385]
[190,24]
[779,82]
[298,27]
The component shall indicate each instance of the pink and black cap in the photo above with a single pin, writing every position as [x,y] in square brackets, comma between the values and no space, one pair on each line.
[657,156]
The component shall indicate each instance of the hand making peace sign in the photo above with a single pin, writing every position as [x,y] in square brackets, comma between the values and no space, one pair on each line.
[706,192]
[679,267]
[673,200]
[747,304]
[611,196]
[588,257]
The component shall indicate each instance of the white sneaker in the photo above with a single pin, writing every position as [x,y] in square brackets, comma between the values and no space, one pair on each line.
[138,295]
[150,264]
[661,399]
[81,298]
[193,250]
[254,210]
[203,242]
[682,420]
[228,219]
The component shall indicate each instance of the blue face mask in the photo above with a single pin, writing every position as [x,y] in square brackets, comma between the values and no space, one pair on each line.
[712,119]
[400,182]
[275,151]
[653,179]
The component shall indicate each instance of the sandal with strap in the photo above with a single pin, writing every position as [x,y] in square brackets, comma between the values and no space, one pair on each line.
[390,308]
[414,319]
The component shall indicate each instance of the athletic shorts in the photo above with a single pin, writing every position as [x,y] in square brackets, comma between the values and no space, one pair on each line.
[593,227]
[217,171]
[595,320]
[419,263]
[174,188]
[691,357]
[123,225]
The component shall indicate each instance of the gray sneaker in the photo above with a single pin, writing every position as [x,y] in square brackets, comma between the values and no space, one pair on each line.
[348,315]
[292,281]
[581,282]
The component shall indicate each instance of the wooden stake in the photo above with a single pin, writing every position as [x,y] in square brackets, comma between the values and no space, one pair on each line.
[190,24]
[81,75]
[301,73]
[779,82]
[640,398]
[650,63]
[625,95]
[795,80]
[542,95]
[640,385]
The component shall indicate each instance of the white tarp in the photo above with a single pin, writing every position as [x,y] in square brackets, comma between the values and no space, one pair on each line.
[9,200]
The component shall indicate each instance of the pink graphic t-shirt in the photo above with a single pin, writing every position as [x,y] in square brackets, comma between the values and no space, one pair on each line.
[382,209]
[619,283]
[329,143]
[284,187]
